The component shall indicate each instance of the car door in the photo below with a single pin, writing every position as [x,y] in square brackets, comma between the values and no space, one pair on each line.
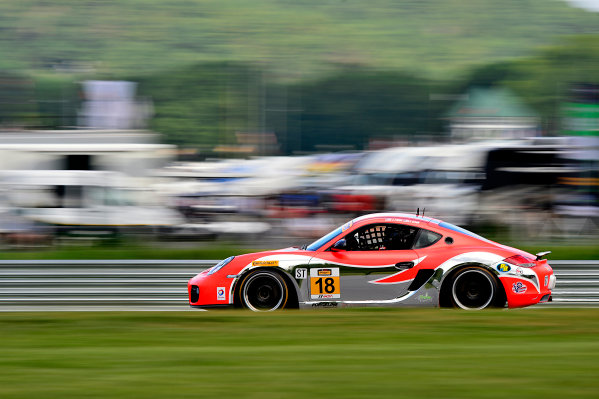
[366,266]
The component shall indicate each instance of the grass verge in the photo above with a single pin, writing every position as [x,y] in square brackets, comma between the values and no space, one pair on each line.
[382,353]
[128,251]
[221,250]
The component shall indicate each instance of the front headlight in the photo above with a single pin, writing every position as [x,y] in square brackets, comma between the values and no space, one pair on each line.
[220,265]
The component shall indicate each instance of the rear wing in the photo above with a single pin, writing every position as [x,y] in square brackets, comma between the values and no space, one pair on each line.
[540,255]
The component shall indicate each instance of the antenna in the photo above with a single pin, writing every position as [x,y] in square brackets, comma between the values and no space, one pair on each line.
[423,209]
[417,211]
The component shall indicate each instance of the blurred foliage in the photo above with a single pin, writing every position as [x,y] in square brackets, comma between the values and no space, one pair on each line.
[321,75]
[208,104]
[57,98]
[354,106]
[543,79]
[17,106]
[296,38]
[202,105]
[332,353]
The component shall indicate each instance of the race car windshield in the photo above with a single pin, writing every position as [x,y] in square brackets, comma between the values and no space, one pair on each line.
[323,240]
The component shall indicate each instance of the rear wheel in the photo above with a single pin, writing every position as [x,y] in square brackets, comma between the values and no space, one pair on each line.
[473,288]
[264,291]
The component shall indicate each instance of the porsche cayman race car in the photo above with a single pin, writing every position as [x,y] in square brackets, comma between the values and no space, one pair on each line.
[384,259]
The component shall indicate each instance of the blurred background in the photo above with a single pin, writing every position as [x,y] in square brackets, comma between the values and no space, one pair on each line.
[268,123]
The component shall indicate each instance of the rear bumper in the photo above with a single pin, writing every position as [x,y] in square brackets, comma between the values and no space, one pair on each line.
[533,285]
[546,298]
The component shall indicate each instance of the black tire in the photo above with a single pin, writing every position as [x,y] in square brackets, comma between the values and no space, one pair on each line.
[263,291]
[474,288]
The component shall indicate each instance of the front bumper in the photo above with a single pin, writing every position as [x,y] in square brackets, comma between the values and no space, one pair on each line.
[214,290]
[212,307]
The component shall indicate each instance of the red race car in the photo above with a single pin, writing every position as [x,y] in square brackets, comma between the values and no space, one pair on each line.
[383,259]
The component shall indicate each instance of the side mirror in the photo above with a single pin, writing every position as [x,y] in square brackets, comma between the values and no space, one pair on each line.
[340,245]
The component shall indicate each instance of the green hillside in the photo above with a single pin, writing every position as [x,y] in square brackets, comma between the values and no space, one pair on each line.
[292,37]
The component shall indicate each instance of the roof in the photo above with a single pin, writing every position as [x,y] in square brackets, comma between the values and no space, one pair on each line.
[396,215]
[491,102]
[409,218]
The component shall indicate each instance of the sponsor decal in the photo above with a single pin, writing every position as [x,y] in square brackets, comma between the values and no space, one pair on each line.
[324,283]
[503,267]
[220,294]
[347,225]
[265,263]
[301,273]
[397,220]
[519,271]
[425,298]
[324,305]
[519,288]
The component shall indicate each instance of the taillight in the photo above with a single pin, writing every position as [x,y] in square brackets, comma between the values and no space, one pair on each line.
[520,260]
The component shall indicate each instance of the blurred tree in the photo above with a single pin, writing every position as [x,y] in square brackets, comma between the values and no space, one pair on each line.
[348,109]
[57,97]
[436,37]
[543,80]
[202,105]
[17,108]
[208,104]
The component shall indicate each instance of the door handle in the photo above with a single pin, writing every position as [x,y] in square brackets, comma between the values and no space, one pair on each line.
[404,265]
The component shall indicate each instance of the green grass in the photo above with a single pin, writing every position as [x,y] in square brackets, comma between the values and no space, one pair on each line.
[405,353]
[156,250]
[221,250]
[564,252]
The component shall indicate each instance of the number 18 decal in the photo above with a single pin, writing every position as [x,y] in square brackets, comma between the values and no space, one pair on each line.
[324,283]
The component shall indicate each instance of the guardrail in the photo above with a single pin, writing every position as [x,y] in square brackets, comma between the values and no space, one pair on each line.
[97,284]
[162,284]
[577,283]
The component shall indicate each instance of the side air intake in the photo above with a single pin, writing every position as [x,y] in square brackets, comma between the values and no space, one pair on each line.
[194,295]
[422,277]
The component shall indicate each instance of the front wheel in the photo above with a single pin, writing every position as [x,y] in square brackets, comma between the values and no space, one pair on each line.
[264,291]
[474,288]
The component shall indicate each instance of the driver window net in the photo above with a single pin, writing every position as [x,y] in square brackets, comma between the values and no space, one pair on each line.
[384,237]
[373,238]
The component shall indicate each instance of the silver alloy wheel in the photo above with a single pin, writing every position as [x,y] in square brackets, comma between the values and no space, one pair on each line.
[473,289]
[263,292]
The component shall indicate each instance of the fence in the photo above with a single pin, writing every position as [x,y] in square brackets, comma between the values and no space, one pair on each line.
[162,284]
[577,283]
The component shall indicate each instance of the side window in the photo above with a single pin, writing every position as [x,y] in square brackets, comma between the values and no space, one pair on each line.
[381,237]
[426,239]
[400,237]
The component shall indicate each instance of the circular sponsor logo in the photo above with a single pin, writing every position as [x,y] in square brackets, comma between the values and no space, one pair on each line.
[518,288]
